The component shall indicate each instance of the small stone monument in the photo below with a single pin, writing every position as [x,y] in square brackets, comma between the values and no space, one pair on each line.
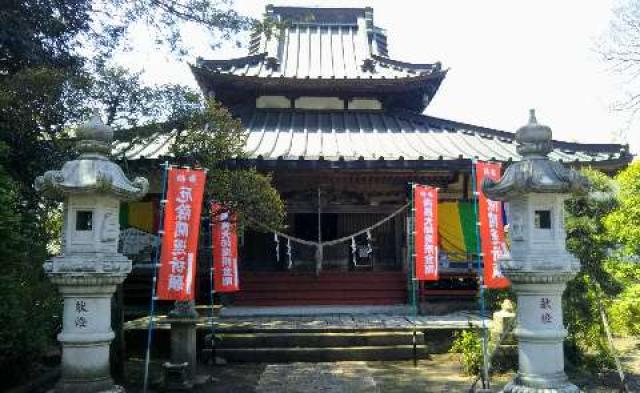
[181,372]
[539,265]
[505,351]
[89,267]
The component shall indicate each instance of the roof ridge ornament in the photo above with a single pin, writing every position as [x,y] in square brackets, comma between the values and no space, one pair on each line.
[368,65]
[534,140]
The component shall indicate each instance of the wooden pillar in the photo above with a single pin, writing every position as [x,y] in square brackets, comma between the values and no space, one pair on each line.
[319,250]
[397,232]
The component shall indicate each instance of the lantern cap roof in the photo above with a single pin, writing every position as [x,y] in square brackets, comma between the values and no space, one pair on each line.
[92,172]
[535,173]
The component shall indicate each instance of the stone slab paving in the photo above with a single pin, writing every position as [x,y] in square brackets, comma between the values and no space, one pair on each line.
[354,377]
[440,374]
[456,320]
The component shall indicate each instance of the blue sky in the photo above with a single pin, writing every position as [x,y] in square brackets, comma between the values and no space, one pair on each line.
[505,56]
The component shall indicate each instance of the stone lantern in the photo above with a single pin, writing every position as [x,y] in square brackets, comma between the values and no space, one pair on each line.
[89,267]
[539,264]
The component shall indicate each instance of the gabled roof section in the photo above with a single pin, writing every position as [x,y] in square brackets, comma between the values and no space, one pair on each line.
[367,139]
[324,63]
[320,43]
[315,46]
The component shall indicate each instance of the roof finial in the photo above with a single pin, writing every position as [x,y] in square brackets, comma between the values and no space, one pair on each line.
[534,140]
[94,136]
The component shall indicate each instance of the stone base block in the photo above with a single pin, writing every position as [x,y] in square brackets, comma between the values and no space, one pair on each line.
[505,358]
[555,384]
[176,378]
[101,386]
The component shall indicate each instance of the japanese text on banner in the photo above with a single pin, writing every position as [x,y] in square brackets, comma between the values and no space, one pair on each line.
[185,188]
[225,250]
[425,201]
[491,227]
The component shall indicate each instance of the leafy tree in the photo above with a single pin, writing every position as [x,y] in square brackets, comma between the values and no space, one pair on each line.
[37,33]
[28,308]
[165,20]
[588,240]
[53,57]
[44,46]
[620,50]
[213,137]
[136,110]
[623,225]
[624,310]
[602,231]
[209,137]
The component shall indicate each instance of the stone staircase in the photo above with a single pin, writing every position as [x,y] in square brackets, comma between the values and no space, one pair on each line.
[310,338]
[319,346]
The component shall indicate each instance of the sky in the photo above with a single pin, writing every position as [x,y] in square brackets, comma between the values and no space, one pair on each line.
[504,57]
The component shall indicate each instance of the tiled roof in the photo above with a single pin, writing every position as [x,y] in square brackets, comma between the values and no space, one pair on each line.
[320,43]
[319,64]
[343,136]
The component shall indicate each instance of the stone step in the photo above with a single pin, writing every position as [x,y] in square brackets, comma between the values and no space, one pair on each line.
[430,341]
[330,354]
[317,340]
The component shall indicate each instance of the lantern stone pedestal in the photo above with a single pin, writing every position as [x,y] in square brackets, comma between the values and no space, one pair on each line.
[87,333]
[89,268]
[181,371]
[540,333]
[538,264]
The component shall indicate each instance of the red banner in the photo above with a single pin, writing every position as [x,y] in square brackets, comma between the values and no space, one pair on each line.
[225,250]
[181,228]
[491,228]
[425,202]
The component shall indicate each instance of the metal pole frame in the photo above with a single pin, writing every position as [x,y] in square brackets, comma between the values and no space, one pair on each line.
[412,271]
[486,384]
[211,283]
[156,258]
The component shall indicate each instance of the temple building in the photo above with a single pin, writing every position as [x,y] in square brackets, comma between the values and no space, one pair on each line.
[341,127]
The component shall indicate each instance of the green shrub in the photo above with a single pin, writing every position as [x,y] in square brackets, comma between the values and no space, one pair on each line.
[468,344]
[624,310]
[30,307]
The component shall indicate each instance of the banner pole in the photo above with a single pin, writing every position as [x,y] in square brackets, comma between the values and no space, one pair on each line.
[156,257]
[412,274]
[211,284]
[480,269]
